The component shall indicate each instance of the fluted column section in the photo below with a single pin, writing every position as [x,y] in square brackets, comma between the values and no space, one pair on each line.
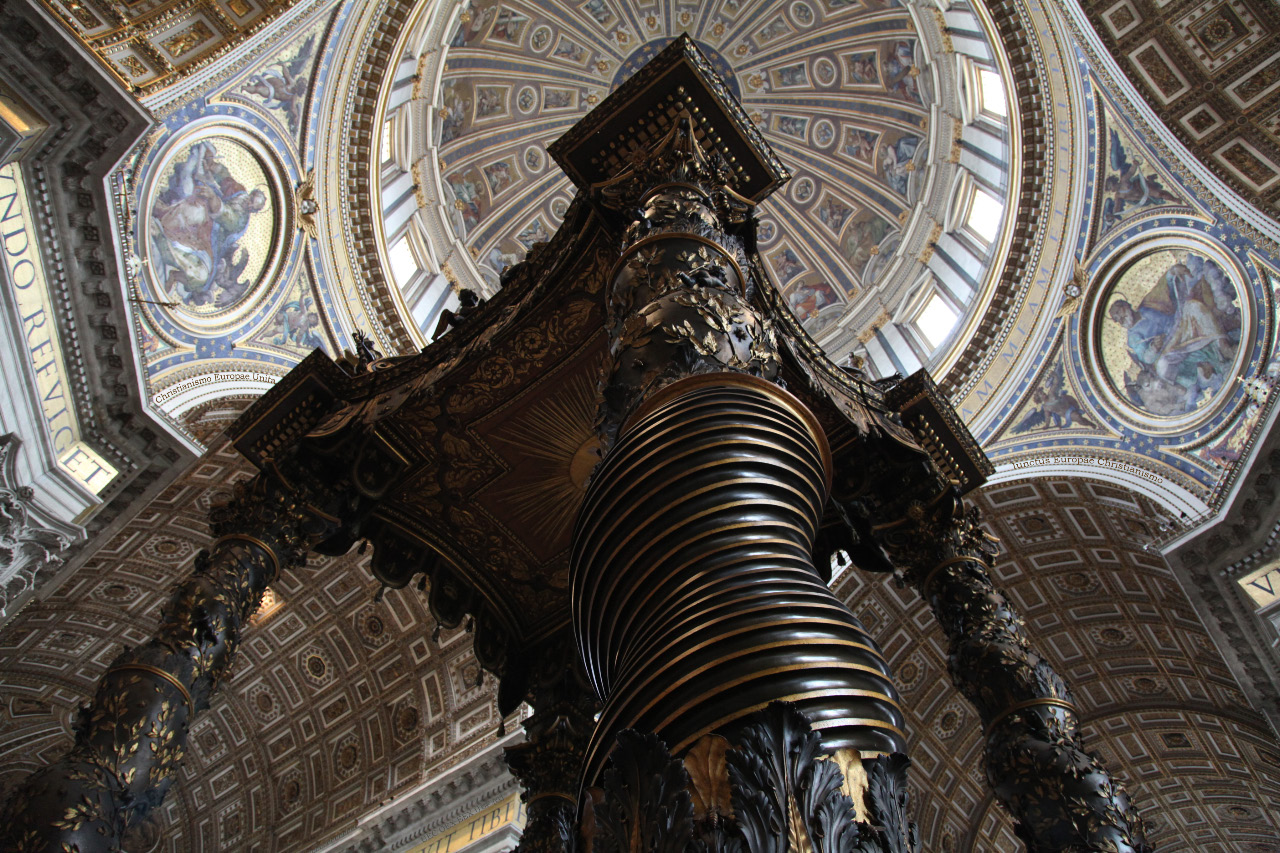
[695,599]
[130,740]
[1062,798]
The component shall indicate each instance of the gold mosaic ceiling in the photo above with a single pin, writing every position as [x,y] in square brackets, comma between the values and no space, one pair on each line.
[847,93]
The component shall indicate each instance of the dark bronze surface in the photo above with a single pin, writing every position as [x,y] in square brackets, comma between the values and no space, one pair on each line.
[640,111]
[772,791]
[130,739]
[1059,794]
[695,597]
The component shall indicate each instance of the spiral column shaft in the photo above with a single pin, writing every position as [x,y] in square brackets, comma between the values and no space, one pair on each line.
[695,597]
[130,740]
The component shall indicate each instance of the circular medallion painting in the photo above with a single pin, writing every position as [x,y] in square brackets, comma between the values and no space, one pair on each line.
[1169,332]
[211,225]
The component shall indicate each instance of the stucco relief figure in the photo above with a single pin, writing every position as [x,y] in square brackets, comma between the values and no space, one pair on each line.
[1181,334]
[197,223]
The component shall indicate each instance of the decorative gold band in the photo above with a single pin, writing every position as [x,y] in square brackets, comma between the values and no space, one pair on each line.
[253,540]
[1022,706]
[680,235]
[557,794]
[950,561]
[161,674]
[779,395]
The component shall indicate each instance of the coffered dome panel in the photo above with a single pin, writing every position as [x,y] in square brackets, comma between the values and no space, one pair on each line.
[864,102]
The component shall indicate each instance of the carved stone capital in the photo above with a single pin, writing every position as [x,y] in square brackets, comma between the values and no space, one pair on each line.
[30,550]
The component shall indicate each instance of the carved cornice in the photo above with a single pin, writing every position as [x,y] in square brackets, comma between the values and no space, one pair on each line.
[1026,65]
[438,803]
[92,124]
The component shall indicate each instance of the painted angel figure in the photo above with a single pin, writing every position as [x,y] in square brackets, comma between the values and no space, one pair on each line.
[297,324]
[283,85]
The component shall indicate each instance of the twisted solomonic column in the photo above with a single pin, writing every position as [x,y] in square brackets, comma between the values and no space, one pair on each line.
[129,740]
[1061,797]
[695,601]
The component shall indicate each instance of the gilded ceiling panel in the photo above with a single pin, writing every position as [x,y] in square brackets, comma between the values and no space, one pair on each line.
[1211,70]
[149,45]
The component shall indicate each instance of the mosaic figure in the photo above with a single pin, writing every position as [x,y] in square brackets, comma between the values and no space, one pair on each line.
[775,28]
[466,194]
[896,163]
[862,68]
[1177,317]
[860,144]
[453,112]
[599,11]
[534,232]
[297,324]
[832,212]
[283,84]
[472,25]
[793,126]
[863,239]
[1053,407]
[793,75]
[570,51]
[197,223]
[491,100]
[1128,186]
[499,177]
[900,72]
[787,265]
[509,27]
[556,99]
